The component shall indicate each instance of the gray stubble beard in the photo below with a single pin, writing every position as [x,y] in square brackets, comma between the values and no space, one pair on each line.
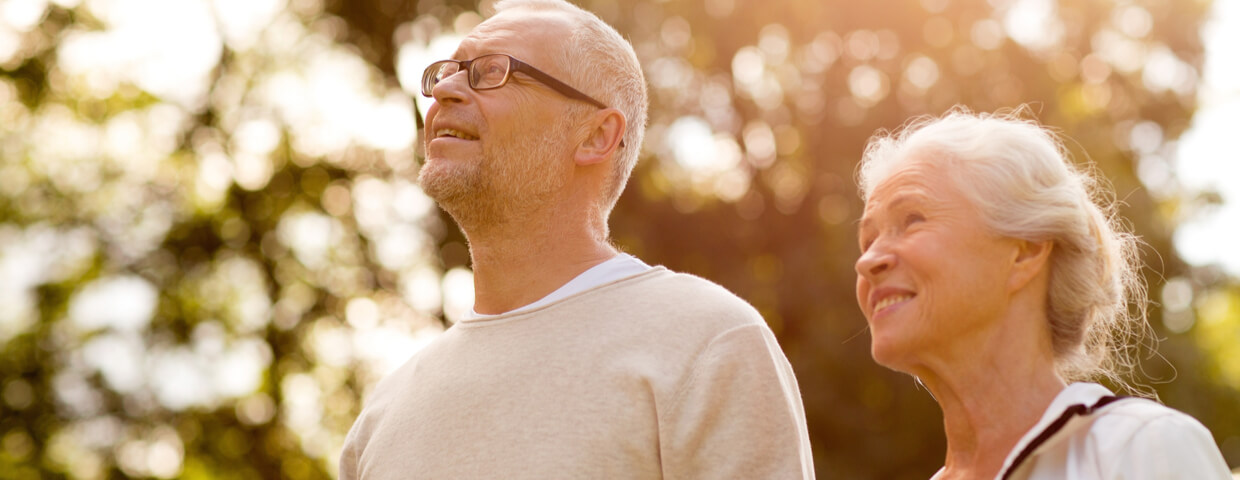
[476,195]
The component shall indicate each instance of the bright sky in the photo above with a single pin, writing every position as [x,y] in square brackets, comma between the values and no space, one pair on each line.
[1207,156]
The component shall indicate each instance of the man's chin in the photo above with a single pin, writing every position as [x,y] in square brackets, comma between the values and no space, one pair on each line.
[443,183]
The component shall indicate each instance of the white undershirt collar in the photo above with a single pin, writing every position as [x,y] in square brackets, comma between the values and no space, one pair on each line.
[615,268]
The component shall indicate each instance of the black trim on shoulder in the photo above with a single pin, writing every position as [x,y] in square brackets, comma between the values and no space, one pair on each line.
[1054,427]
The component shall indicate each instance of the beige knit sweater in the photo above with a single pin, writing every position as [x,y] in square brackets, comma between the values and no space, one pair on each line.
[658,375]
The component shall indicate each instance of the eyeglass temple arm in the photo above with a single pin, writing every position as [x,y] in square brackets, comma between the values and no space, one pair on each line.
[556,84]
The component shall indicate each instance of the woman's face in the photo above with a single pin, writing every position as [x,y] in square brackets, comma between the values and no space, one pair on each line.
[931,277]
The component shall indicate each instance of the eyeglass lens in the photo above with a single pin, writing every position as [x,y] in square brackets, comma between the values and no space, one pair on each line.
[485,72]
[489,71]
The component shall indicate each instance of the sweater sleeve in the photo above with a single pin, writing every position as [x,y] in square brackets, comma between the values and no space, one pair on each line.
[348,456]
[738,414]
[1172,446]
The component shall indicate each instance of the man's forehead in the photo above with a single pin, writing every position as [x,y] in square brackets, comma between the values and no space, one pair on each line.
[515,32]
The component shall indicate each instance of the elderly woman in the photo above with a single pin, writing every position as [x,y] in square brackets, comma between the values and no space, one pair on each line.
[988,273]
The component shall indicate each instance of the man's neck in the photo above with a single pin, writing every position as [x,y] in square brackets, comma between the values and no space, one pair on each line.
[518,263]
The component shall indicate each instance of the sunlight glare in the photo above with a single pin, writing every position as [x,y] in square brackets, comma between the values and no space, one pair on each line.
[180,378]
[22,15]
[330,344]
[118,357]
[258,136]
[310,235]
[412,59]
[862,45]
[420,289]
[409,202]
[1204,161]
[1221,34]
[759,144]
[124,302]
[400,246]
[821,53]
[748,67]
[922,73]
[166,47]
[774,43]
[1034,24]
[242,21]
[1123,53]
[362,313]
[692,144]
[371,199]
[1163,71]
[303,406]
[1201,240]
[1133,20]
[868,85]
[10,45]
[389,124]
[670,73]
[987,34]
[458,293]
[240,369]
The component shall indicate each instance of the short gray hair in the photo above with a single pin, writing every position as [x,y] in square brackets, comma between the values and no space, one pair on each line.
[601,63]
[1018,175]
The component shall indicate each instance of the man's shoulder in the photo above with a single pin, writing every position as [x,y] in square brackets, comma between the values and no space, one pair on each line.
[670,294]
[392,382]
[666,278]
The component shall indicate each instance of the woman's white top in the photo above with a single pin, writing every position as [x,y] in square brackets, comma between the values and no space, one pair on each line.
[1131,438]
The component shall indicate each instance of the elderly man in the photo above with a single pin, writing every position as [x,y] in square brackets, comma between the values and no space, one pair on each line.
[578,361]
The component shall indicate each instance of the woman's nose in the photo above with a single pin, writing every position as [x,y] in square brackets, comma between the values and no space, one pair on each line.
[874,261]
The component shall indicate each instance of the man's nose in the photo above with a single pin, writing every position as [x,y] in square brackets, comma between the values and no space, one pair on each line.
[453,88]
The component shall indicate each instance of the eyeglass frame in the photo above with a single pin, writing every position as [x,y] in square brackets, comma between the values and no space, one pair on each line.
[514,65]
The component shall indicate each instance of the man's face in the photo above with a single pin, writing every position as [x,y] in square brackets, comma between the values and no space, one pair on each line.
[494,150]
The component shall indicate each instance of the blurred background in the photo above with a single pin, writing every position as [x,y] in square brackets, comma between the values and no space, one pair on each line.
[211,247]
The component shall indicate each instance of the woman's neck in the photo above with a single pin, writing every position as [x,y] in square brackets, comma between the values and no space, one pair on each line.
[990,398]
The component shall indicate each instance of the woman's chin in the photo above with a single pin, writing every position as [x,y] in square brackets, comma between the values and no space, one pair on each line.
[891,355]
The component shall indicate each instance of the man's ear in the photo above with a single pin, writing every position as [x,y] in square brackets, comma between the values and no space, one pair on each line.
[1031,259]
[603,139]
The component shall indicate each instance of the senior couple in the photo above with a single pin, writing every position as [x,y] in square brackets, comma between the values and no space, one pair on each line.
[986,271]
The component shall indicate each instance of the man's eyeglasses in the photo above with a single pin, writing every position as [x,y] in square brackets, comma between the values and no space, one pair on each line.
[493,71]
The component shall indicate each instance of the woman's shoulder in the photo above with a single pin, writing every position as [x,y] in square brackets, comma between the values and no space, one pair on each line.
[1121,418]
[1131,416]
[1143,435]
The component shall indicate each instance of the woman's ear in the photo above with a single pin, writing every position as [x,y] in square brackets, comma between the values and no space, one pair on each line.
[1031,259]
[605,136]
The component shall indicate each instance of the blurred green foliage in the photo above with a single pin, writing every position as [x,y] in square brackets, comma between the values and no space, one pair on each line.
[202,273]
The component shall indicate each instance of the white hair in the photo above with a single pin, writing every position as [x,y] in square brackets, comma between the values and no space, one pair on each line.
[1018,176]
[602,64]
